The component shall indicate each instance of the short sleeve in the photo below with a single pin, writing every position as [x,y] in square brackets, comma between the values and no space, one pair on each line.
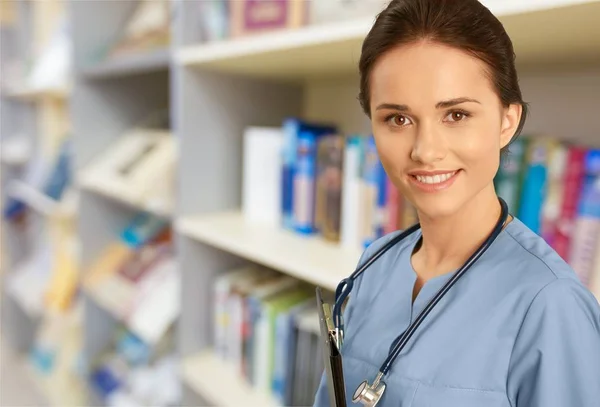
[556,357]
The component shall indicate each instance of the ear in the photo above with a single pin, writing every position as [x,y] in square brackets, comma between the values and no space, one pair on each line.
[511,117]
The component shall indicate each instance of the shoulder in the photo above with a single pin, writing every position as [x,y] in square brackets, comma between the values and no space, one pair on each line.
[533,258]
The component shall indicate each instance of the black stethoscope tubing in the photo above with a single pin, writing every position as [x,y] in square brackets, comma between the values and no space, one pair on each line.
[345,286]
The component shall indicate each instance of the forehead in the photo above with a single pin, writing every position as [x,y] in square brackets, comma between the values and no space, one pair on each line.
[426,73]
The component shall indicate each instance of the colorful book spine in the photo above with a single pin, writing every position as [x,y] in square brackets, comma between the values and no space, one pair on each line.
[305,183]
[573,181]
[393,208]
[370,192]
[587,232]
[292,128]
[535,185]
[557,160]
[255,16]
[508,181]
[329,186]
[351,199]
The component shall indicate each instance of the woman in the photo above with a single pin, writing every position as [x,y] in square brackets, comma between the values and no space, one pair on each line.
[439,84]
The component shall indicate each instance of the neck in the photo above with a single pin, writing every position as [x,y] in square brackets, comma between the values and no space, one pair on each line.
[449,241]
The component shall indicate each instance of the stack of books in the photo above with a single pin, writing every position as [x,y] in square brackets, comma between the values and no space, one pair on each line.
[129,372]
[266,327]
[136,278]
[310,179]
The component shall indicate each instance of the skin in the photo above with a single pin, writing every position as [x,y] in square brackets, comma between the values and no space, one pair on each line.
[434,108]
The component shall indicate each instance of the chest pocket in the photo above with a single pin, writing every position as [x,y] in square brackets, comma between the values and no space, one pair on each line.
[439,396]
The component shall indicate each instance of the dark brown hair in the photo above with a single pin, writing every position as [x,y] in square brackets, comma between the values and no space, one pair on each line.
[463,24]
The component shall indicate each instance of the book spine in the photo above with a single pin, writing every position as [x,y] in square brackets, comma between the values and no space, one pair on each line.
[370,198]
[573,180]
[304,184]
[350,235]
[551,207]
[289,152]
[535,186]
[380,220]
[393,207]
[329,186]
[508,180]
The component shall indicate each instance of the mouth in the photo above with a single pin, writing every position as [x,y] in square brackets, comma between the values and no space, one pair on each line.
[435,181]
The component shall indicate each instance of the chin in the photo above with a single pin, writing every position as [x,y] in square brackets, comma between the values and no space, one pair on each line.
[435,208]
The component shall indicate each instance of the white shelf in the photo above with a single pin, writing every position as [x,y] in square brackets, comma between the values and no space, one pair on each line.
[311,259]
[550,31]
[220,384]
[29,94]
[156,60]
[88,184]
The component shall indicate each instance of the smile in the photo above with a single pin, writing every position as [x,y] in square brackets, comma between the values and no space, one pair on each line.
[434,182]
[435,179]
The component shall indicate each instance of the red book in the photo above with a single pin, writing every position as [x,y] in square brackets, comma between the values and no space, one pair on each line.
[393,208]
[575,171]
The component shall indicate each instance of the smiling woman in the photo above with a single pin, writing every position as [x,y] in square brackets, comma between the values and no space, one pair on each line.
[439,83]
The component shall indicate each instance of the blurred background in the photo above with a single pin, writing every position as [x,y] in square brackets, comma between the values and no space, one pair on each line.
[178,176]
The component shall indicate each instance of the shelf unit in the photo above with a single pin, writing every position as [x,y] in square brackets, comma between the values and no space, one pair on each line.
[215,90]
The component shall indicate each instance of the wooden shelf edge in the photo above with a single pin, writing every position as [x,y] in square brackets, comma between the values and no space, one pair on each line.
[308,258]
[218,382]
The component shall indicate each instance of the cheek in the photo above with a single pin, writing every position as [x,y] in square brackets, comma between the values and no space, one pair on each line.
[480,150]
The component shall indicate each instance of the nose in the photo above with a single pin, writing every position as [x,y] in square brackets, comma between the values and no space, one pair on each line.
[429,146]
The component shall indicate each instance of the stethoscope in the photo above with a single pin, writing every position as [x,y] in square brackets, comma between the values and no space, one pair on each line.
[367,394]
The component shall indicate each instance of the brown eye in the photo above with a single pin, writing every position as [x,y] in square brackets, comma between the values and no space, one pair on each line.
[399,121]
[456,116]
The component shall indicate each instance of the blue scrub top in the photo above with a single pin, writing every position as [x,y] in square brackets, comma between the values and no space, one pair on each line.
[517,330]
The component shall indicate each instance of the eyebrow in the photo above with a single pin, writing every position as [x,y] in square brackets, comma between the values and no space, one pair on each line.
[440,105]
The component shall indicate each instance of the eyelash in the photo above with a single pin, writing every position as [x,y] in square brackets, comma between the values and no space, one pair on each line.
[465,114]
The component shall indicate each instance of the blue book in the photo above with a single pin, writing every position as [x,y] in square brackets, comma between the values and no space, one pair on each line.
[374,188]
[285,350]
[60,178]
[292,127]
[592,171]
[534,186]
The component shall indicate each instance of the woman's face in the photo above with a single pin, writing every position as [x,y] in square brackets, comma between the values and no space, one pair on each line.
[438,125]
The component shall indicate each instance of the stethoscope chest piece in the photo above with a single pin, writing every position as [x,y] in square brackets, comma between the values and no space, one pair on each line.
[367,395]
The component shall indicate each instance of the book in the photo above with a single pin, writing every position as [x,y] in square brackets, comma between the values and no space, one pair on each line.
[133,165]
[329,179]
[557,160]
[269,288]
[372,194]
[351,192]
[508,180]
[573,181]
[393,208]
[292,127]
[261,174]
[258,16]
[535,184]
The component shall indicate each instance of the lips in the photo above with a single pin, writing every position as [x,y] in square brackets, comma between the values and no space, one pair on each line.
[433,181]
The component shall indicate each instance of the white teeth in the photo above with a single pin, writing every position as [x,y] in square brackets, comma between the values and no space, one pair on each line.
[436,179]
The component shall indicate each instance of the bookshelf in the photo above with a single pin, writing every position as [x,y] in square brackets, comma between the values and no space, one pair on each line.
[311,259]
[213,91]
[538,33]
